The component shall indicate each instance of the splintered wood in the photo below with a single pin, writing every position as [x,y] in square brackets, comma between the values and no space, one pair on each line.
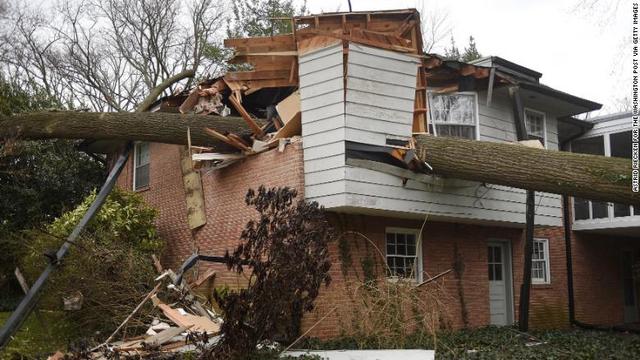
[262,86]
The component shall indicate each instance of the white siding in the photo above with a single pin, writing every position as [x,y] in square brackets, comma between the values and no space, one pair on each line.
[378,102]
[381,88]
[323,127]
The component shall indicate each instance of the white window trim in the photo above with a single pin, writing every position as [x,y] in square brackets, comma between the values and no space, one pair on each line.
[418,235]
[475,99]
[135,166]
[544,123]
[537,281]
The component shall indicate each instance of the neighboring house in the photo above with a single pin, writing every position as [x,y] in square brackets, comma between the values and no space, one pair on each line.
[358,109]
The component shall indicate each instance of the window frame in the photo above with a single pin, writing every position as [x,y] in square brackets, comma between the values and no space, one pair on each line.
[136,148]
[547,261]
[544,123]
[476,110]
[419,266]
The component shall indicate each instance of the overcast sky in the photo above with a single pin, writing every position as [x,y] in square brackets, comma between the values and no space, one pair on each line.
[579,52]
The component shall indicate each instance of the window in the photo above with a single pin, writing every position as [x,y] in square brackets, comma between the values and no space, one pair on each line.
[453,114]
[593,145]
[535,122]
[540,262]
[621,147]
[585,209]
[402,254]
[141,166]
[621,144]
[494,260]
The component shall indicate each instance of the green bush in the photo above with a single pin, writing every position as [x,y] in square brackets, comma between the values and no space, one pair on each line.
[110,264]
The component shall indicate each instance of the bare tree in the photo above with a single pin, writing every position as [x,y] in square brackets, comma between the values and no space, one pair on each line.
[108,54]
[436,26]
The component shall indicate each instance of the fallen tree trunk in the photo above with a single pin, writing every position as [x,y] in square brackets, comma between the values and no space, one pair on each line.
[158,127]
[586,176]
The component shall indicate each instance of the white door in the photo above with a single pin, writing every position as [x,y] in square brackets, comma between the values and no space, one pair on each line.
[499,283]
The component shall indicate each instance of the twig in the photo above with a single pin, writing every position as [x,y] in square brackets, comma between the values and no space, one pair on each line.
[149,295]
[308,330]
[435,277]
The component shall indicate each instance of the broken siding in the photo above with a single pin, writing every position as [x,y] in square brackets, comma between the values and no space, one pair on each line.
[380,94]
[379,103]
[323,126]
[372,190]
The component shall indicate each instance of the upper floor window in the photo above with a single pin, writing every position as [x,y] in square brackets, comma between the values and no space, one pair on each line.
[454,114]
[615,144]
[141,166]
[540,262]
[403,250]
[536,127]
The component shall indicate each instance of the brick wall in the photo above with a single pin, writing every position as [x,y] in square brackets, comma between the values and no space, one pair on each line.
[597,274]
[224,192]
[548,307]
[597,277]
[548,302]
[166,194]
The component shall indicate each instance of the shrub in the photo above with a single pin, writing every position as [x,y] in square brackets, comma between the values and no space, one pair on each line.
[286,251]
[110,264]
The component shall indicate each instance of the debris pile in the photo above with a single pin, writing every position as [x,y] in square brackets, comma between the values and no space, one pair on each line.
[185,325]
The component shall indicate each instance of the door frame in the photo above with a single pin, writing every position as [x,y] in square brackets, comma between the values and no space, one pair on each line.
[508,272]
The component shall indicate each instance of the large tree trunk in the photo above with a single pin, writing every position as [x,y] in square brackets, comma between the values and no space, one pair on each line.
[158,127]
[586,176]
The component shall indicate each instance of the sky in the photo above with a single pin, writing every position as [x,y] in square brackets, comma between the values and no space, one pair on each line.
[578,49]
[582,50]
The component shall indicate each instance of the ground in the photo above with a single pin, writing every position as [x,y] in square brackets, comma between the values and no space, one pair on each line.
[37,337]
[509,343]
[35,340]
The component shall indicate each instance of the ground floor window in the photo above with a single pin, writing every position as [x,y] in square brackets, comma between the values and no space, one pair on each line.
[540,262]
[403,249]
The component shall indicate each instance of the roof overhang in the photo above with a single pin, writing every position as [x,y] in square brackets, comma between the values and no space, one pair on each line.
[559,103]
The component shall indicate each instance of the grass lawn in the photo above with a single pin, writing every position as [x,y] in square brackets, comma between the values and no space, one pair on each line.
[37,338]
[508,343]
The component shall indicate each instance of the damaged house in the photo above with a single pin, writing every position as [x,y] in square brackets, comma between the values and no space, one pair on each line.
[333,108]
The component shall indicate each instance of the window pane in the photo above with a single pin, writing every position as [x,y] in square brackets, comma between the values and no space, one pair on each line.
[490,254]
[491,277]
[497,254]
[593,146]
[401,254]
[620,210]
[581,208]
[599,209]
[142,177]
[391,248]
[535,124]
[461,131]
[142,154]
[411,248]
[621,144]
[498,271]
[401,244]
[453,109]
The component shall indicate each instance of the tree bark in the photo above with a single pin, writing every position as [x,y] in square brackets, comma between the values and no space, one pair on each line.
[586,176]
[158,127]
